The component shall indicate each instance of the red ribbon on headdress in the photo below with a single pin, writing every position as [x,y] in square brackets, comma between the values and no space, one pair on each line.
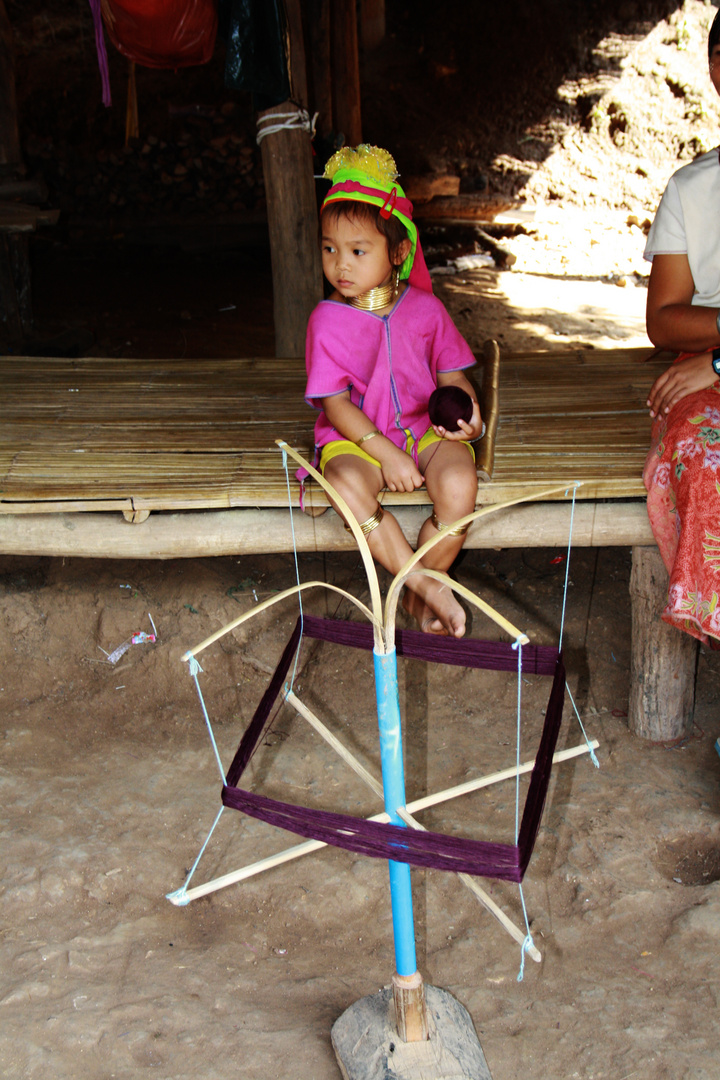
[386,211]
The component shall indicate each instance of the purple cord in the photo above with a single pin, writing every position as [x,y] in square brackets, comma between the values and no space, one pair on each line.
[430,849]
[101,52]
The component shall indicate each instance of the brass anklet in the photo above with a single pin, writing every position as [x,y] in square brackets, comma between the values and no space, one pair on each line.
[366,527]
[457,530]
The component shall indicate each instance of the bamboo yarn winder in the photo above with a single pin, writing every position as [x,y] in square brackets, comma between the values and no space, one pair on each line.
[440,1023]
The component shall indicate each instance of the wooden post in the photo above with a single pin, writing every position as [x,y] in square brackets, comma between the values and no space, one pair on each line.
[292,211]
[317,28]
[346,71]
[410,1010]
[663,659]
[15,291]
[372,21]
[10,158]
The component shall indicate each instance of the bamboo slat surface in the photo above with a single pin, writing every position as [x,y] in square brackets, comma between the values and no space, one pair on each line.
[96,433]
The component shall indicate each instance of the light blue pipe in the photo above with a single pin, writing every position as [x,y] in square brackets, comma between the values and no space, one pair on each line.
[393,777]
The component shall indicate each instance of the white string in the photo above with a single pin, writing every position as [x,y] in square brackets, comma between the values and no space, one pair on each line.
[297,568]
[528,941]
[179,897]
[195,669]
[591,749]
[567,567]
[287,121]
[517,646]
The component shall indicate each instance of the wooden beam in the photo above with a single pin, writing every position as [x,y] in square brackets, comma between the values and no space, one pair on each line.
[319,69]
[292,225]
[297,69]
[193,534]
[346,71]
[10,156]
[291,210]
[463,208]
[372,23]
[287,165]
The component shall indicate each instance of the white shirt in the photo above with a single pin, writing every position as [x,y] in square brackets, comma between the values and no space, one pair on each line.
[687,222]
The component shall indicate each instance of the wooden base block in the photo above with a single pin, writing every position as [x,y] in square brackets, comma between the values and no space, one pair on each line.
[367,1045]
[663,660]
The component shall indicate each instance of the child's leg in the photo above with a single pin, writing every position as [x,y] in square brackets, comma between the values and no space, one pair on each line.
[451,482]
[359,482]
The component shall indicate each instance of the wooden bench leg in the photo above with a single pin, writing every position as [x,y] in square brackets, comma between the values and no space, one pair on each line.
[10,313]
[663,659]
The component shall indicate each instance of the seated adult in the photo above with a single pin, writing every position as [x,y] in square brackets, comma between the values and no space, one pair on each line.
[682,471]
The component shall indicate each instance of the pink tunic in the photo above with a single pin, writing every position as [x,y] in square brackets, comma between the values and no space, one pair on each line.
[389,363]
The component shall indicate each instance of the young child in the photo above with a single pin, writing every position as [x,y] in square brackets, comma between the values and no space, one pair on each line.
[376,350]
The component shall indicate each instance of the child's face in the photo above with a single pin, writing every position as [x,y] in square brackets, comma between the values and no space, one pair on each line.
[354,256]
[715,67]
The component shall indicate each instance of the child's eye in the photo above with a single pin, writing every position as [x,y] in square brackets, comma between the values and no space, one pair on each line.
[358,251]
[329,248]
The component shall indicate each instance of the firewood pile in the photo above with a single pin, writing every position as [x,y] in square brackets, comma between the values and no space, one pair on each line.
[205,171]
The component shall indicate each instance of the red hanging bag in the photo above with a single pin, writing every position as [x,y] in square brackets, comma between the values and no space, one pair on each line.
[162,33]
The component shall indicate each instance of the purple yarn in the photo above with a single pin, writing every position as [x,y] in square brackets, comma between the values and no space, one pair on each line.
[101,52]
[382,841]
[430,849]
[447,405]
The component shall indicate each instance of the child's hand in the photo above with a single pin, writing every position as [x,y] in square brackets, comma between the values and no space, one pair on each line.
[399,471]
[466,432]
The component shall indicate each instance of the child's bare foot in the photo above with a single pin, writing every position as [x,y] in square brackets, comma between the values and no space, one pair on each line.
[424,616]
[445,617]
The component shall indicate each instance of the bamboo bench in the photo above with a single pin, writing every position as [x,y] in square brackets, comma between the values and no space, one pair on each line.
[109,458]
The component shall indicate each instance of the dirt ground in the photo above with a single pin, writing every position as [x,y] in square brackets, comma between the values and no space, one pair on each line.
[109,781]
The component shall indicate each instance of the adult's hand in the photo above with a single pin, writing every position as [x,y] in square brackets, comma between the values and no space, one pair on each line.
[680,379]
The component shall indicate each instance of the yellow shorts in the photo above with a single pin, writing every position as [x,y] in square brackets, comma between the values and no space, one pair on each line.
[344,446]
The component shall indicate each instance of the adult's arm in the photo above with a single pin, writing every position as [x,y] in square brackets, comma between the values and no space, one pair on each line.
[674,322]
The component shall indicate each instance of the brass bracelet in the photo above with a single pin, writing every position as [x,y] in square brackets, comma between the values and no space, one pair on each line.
[456,530]
[366,527]
[370,435]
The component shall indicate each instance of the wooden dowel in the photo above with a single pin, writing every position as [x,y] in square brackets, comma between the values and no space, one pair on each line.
[184,896]
[268,603]
[470,883]
[337,746]
[496,778]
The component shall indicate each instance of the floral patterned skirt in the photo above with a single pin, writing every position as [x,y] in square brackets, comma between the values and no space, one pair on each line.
[682,477]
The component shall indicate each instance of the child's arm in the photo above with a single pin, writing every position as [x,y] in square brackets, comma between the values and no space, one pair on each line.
[466,432]
[398,468]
